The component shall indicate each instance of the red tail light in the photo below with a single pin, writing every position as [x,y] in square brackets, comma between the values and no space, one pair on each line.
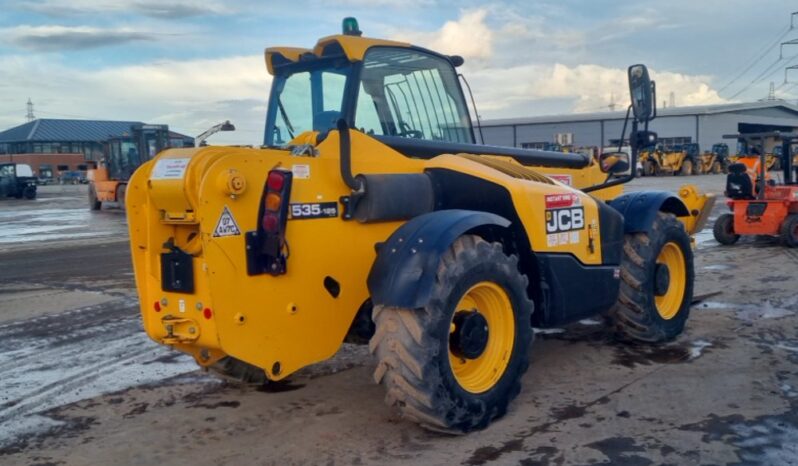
[268,244]
[277,180]
[270,222]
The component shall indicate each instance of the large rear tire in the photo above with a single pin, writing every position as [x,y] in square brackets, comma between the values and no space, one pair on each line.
[789,231]
[456,364]
[656,283]
[94,203]
[723,230]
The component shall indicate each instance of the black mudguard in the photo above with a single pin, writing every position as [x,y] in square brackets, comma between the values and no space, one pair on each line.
[640,209]
[404,272]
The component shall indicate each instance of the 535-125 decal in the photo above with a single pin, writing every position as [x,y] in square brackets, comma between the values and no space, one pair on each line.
[313,210]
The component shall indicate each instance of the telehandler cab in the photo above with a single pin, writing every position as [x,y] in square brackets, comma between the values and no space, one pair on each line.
[371,215]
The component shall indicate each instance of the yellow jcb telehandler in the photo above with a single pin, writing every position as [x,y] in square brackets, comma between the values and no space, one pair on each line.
[371,214]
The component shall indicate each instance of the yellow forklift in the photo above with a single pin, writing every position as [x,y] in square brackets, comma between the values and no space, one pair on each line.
[122,156]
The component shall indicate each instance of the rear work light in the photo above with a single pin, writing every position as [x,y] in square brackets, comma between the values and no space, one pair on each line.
[266,247]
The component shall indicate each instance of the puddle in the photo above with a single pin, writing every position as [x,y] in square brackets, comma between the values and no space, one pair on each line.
[639,355]
[704,238]
[90,361]
[49,224]
[547,331]
[716,267]
[750,312]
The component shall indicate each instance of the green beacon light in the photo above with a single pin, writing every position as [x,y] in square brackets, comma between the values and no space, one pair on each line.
[350,27]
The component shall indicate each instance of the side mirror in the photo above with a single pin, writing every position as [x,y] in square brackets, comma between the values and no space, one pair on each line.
[641,90]
[614,162]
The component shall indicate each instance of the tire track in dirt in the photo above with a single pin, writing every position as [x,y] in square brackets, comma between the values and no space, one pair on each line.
[58,359]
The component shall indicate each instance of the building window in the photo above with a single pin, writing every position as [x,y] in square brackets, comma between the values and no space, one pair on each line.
[83,167]
[63,168]
[675,141]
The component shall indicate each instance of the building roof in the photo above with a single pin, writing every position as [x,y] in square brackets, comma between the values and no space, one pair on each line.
[54,130]
[661,112]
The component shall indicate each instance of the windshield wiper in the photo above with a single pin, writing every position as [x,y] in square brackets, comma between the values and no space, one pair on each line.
[288,124]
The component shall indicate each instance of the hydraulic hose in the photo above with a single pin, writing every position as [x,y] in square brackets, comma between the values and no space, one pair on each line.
[346,156]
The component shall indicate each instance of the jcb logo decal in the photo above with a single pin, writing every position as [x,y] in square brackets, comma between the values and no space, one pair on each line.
[559,220]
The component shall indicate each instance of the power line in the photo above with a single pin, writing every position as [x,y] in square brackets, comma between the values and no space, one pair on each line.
[762,55]
[761,76]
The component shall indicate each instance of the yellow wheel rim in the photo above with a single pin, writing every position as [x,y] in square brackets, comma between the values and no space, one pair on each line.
[672,257]
[482,373]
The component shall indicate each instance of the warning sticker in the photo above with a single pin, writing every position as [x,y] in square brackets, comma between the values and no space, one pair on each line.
[301,172]
[559,201]
[169,169]
[562,239]
[226,226]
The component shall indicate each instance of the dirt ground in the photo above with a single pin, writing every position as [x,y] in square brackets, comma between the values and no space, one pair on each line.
[81,384]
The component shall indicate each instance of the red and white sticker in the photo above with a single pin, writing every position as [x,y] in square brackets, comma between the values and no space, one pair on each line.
[559,201]
[564,179]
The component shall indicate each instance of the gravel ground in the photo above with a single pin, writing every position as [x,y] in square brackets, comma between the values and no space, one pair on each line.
[82,384]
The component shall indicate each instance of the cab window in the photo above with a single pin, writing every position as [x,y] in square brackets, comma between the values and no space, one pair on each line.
[411,94]
[307,101]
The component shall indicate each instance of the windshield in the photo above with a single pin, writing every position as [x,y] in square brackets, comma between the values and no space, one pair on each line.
[401,92]
[409,93]
[24,170]
[310,98]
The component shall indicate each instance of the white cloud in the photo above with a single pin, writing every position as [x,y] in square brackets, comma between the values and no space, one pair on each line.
[515,91]
[468,36]
[188,95]
[514,68]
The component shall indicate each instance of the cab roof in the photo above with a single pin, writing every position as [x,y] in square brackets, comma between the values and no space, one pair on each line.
[353,47]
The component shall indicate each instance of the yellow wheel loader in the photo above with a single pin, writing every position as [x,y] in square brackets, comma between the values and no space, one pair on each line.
[370,214]
[677,160]
[715,161]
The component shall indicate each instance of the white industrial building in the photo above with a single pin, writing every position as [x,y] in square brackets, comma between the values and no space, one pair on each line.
[705,124]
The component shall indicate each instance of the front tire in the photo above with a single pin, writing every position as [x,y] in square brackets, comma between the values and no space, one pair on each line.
[723,230]
[94,203]
[456,364]
[789,231]
[656,283]
[120,196]
[687,168]
[649,169]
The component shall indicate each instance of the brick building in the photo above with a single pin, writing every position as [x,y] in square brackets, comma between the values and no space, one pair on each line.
[53,147]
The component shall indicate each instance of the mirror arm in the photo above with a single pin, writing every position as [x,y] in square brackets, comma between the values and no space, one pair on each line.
[632,163]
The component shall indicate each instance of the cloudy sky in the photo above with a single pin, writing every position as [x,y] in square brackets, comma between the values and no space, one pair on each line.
[193,63]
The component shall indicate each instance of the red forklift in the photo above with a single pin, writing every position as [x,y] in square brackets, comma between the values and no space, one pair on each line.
[761,205]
